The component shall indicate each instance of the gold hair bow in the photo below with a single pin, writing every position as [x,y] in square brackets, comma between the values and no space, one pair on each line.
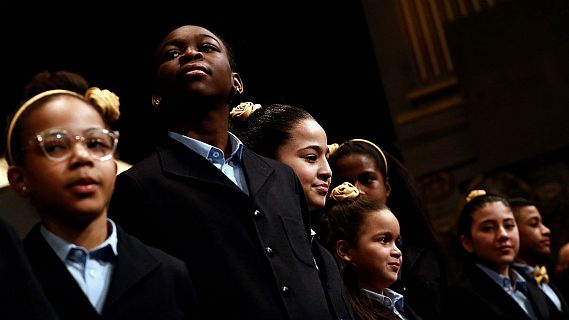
[107,101]
[244,110]
[345,191]
[473,194]
[540,275]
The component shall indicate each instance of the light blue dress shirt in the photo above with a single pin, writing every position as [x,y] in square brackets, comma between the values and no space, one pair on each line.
[231,166]
[92,274]
[546,288]
[517,290]
[389,299]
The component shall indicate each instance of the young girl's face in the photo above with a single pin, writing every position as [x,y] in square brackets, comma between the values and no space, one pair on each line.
[362,171]
[375,255]
[305,152]
[495,237]
[75,188]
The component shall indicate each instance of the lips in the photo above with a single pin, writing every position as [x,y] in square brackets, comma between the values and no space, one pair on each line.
[194,70]
[83,185]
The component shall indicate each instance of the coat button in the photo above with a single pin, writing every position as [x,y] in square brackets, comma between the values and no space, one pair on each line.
[285,290]
[269,251]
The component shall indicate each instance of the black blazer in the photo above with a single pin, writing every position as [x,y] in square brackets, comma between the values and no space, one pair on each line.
[21,295]
[250,256]
[477,296]
[553,311]
[146,283]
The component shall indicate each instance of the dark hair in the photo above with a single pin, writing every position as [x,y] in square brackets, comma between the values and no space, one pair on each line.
[47,80]
[343,220]
[61,79]
[268,128]
[518,203]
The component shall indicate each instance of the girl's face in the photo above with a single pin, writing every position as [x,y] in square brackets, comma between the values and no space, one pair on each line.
[361,170]
[375,256]
[495,238]
[77,188]
[305,152]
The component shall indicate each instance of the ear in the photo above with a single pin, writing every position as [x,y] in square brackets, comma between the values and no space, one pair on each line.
[387,187]
[237,83]
[17,180]
[343,250]
[466,244]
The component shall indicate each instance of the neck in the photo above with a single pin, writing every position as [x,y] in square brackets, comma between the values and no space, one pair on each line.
[85,234]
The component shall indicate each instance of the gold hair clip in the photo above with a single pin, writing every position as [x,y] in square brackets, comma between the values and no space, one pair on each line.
[244,110]
[107,101]
[474,194]
[332,148]
[345,191]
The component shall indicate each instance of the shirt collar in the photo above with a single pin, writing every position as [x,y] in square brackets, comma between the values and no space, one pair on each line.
[62,247]
[505,282]
[204,149]
[388,298]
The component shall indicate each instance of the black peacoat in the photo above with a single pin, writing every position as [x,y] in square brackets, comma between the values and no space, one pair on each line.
[146,283]
[250,256]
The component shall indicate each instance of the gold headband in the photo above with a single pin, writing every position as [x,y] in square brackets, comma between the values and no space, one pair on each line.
[24,107]
[334,146]
[106,101]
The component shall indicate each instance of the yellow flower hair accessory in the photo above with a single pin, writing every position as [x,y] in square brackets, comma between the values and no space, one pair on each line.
[474,194]
[107,101]
[244,110]
[345,191]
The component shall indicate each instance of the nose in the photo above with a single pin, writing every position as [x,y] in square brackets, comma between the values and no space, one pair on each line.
[192,53]
[79,149]
[361,189]
[325,171]
[545,230]
[502,232]
[396,252]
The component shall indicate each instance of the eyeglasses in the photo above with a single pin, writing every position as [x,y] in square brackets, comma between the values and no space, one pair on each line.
[57,144]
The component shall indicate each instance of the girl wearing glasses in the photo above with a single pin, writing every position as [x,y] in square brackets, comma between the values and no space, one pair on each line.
[60,151]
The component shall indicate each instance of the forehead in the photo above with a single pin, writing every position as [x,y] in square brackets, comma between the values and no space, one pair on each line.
[355,163]
[380,220]
[308,129]
[62,110]
[493,211]
[189,33]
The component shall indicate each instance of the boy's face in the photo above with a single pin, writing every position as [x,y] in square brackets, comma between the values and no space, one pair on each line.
[534,235]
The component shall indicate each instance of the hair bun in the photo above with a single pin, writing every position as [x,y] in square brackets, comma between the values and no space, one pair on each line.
[474,194]
[345,191]
[244,110]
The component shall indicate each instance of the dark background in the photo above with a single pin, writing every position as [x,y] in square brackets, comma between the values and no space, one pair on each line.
[314,54]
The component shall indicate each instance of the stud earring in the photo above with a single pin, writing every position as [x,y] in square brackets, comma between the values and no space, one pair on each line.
[156,100]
